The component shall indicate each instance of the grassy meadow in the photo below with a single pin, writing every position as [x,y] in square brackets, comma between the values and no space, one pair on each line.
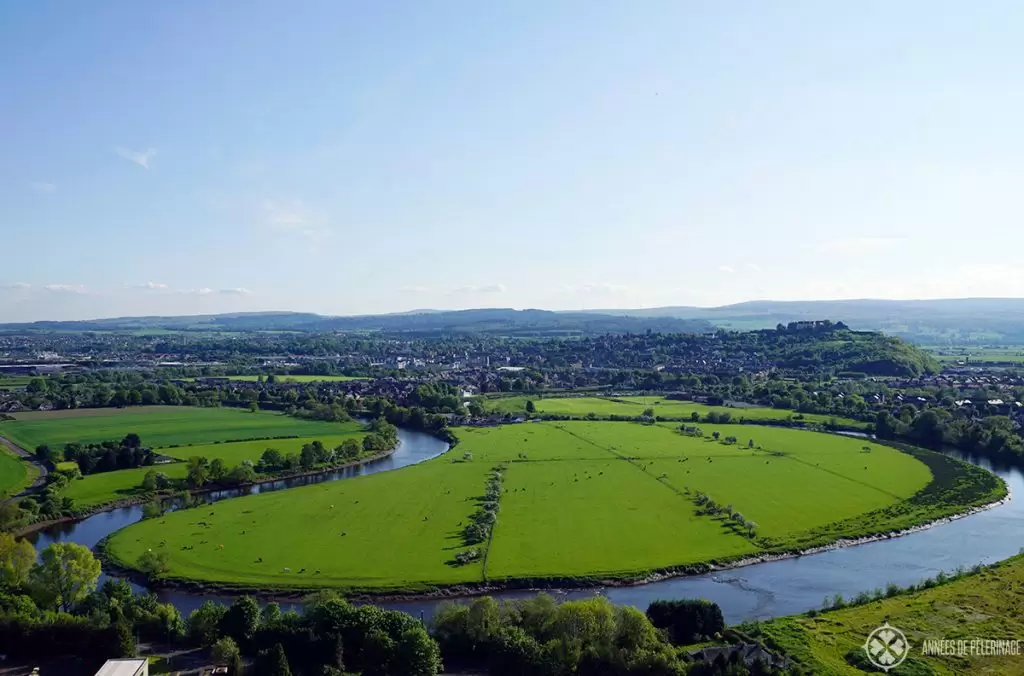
[178,432]
[984,605]
[158,426]
[391,530]
[235,452]
[579,500]
[668,408]
[99,489]
[297,378]
[15,472]
[11,382]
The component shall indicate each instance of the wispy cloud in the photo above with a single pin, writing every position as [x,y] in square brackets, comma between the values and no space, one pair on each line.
[65,288]
[152,286]
[598,289]
[204,291]
[43,186]
[727,269]
[859,246]
[752,267]
[482,288]
[139,158]
[414,289]
[16,286]
[238,291]
[295,217]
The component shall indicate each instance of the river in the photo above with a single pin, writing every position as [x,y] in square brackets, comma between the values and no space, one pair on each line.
[758,591]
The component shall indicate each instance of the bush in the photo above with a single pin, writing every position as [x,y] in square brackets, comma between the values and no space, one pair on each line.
[687,620]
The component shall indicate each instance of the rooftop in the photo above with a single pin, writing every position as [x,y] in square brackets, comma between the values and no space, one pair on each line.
[122,667]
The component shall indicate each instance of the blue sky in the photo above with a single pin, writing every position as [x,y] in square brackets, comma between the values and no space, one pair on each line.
[337,157]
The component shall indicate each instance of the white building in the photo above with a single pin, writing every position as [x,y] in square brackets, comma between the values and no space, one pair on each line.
[135,667]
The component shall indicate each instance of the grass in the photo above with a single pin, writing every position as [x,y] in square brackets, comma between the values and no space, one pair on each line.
[99,489]
[15,472]
[390,530]
[298,378]
[105,487]
[236,452]
[981,354]
[667,408]
[12,382]
[158,426]
[580,500]
[599,517]
[985,605]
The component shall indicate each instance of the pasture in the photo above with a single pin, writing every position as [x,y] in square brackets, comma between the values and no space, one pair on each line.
[12,382]
[389,530]
[985,604]
[235,452]
[580,500]
[667,408]
[158,426]
[98,489]
[297,378]
[15,472]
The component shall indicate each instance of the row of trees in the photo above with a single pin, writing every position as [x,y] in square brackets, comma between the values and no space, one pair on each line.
[106,456]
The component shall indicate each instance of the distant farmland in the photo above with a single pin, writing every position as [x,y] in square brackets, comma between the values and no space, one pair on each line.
[176,431]
[158,426]
[668,408]
[293,379]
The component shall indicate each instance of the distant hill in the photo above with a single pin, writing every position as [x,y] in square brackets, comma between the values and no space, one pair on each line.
[493,320]
[959,321]
[962,320]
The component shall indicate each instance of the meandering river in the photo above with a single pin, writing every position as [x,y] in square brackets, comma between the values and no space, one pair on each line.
[757,591]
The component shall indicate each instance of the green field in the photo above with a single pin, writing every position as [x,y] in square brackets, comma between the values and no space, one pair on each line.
[985,605]
[158,426]
[580,500]
[99,489]
[296,378]
[15,472]
[11,382]
[667,408]
[972,354]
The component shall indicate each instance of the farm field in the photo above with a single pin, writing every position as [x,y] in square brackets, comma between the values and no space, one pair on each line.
[572,506]
[1007,355]
[634,406]
[235,452]
[11,382]
[395,529]
[98,489]
[982,605]
[298,379]
[15,473]
[158,426]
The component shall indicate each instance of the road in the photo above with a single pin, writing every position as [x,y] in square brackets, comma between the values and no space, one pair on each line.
[43,471]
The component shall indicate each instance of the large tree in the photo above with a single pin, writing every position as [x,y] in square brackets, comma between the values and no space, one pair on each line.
[66,573]
[16,559]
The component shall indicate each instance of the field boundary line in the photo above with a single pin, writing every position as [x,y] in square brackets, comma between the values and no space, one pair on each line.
[843,476]
[634,463]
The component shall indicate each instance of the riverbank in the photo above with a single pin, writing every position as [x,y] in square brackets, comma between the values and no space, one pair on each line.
[169,495]
[981,605]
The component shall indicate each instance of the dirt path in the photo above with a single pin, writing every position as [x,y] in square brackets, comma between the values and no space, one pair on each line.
[43,471]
